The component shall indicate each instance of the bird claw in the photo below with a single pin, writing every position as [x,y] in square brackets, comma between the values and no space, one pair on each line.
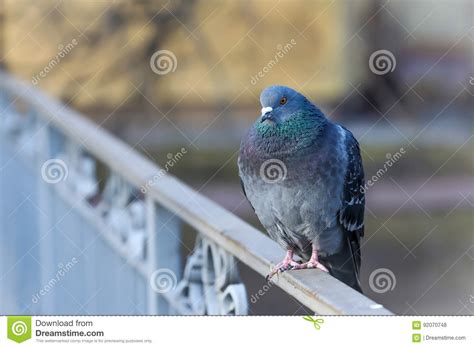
[293,265]
[311,264]
[285,265]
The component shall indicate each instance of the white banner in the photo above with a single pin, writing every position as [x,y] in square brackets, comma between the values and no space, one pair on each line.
[241,332]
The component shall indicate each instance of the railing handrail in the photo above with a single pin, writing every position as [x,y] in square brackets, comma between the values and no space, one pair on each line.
[315,289]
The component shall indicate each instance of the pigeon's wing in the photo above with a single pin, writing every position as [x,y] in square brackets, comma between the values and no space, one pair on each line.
[351,214]
[245,194]
[345,264]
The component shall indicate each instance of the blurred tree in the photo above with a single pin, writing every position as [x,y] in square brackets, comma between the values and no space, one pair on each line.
[382,34]
[384,91]
[2,35]
[161,20]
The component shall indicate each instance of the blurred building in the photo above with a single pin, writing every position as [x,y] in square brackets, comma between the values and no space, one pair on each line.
[226,50]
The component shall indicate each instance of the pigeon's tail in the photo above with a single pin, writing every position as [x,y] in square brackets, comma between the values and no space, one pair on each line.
[345,265]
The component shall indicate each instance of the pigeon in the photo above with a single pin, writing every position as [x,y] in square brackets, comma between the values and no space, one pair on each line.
[303,176]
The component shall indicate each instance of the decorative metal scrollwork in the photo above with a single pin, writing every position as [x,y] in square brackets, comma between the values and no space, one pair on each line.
[78,170]
[211,284]
[125,215]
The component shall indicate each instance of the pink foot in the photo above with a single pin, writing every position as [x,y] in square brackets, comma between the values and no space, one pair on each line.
[285,265]
[311,264]
[289,264]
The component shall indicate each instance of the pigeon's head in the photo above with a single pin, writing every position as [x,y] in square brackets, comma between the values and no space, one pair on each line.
[280,103]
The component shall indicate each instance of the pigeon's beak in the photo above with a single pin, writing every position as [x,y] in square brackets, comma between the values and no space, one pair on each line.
[266,114]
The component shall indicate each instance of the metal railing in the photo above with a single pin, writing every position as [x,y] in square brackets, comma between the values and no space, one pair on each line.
[71,243]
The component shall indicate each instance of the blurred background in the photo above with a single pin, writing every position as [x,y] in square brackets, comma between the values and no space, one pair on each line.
[399,74]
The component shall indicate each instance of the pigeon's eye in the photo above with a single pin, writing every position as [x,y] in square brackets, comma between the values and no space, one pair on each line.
[283,100]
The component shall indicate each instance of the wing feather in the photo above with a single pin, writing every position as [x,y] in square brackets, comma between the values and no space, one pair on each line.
[351,214]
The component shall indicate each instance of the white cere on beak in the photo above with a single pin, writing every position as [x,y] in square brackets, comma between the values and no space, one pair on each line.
[266,110]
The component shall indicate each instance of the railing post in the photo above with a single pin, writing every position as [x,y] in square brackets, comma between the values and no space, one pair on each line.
[49,146]
[164,256]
